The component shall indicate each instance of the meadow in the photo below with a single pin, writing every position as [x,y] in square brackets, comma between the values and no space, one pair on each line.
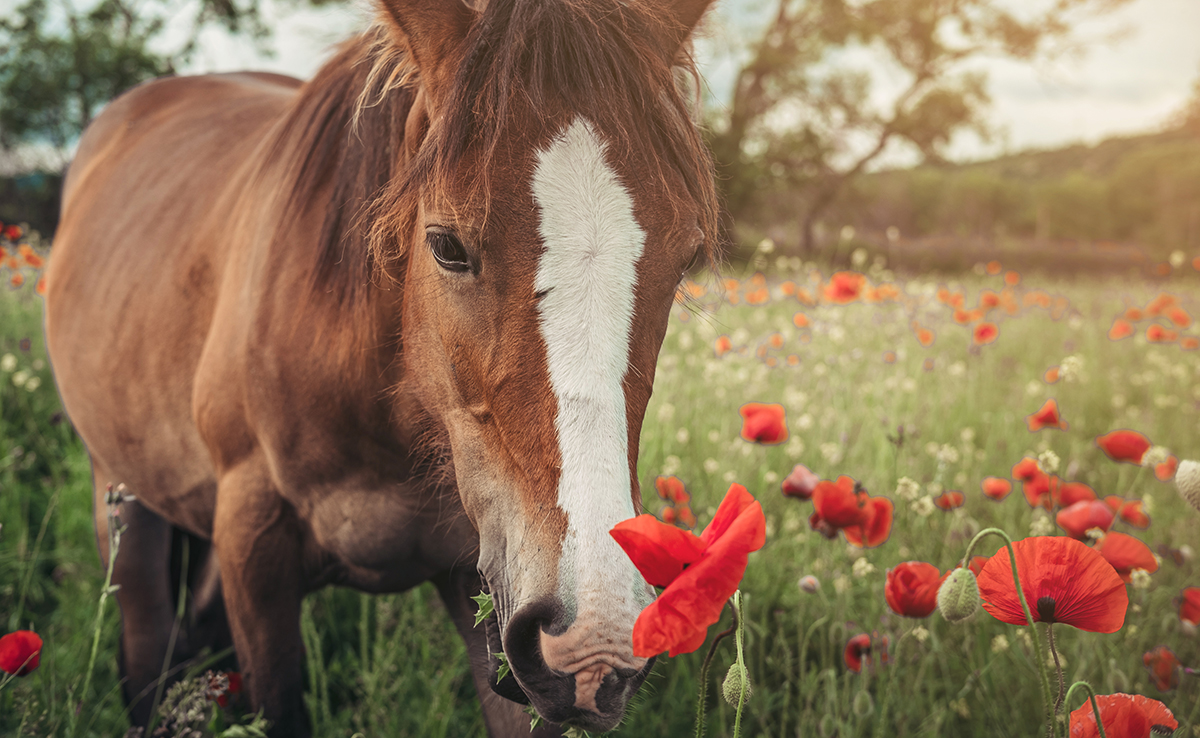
[884,385]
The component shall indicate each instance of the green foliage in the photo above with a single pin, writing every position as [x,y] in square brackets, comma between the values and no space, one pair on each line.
[486,607]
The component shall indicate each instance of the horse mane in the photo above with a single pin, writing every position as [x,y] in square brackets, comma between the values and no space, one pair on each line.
[602,59]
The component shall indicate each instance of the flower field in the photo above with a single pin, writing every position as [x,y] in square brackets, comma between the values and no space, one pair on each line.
[924,410]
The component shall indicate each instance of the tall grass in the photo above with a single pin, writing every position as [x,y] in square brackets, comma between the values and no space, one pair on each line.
[394,665]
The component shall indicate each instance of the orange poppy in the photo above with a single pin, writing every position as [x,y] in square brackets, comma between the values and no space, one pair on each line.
[993,267]
[985,333]
[1012,279]
[1166,470]
[670,488]
[1046,417]
[1064,581]
[1126,553]
[800,483]
[1114,502]
[889,357]
[878,526]
[32,259]
[1120,329]
[841,505]
[1051,375]
[1131,512]
[1069,493]
[788,288]
[1164,667]
[1179,317]
[1189,343]
[1123,715]
[723,345]
[776,340]
[859,649]
[844,287]
[989,300]
[1039,491]
[1124,445]
[667,515]
[1134,314]
[924,336]
[1026,469]
[1189,606]
[996,488]
[1157,334]
[699,572]
[927,365]
[685,516]
[912,587]
[800,320]
[962,317]
[763,423]
[1159,304]
[760,296]
[1081,517]
[41,286]
[949,500]
[20,652]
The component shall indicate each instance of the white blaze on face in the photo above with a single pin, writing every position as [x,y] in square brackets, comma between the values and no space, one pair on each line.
[589,267]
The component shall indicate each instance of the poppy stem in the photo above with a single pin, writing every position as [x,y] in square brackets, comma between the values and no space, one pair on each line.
[1049,710]
[741,661]
[1092,698]
[712,650]
[1057,665]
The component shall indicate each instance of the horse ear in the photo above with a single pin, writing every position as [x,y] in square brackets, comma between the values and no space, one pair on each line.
[686,14]
[433,31]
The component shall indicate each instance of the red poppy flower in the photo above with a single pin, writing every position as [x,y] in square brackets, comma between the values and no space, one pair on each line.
[1179,317]
[12,232]
[1046,417]
[685,517]
[723,345]
[20,652]
[985,333]
[1189,606]
[667,513]
[1166,470]
[670,488]
[1124,716]
[234,687]
[996,488]
[699,572]
[949,500]
[1121,328]
[976,564]
[1026,469]
[1081,517]
[1064,581]
[1039,491]
[1126,553]
[800,320]
[877,527]
[1069,493]
[1157,334]
[837,505]
[1051,375]
[859,649]
[1124,445]
[911,588]
[1131,512]
[844,287]
[1160,303]
[800,483]
[763,423]
[1163,666]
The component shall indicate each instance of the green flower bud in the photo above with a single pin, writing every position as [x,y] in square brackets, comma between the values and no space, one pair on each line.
[863,705]
[735,681]
[958,597]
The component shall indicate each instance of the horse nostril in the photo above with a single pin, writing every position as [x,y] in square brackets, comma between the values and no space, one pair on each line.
[522,641]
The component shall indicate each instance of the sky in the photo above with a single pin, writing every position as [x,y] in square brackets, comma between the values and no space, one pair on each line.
[1123,85]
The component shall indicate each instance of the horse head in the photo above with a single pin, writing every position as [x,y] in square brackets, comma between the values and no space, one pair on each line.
[557,193]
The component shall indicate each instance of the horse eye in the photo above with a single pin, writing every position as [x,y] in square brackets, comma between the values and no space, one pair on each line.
[448,250]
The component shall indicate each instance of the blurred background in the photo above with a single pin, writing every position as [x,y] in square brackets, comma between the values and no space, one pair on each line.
[1056,134]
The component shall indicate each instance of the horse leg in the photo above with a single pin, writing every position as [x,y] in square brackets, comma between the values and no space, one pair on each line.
[141,570]
[504,718]
[206,632]
[260,550]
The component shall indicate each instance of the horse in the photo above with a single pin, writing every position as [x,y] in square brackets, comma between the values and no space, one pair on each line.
[396,324]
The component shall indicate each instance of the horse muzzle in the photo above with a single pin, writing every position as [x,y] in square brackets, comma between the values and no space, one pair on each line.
[579,675]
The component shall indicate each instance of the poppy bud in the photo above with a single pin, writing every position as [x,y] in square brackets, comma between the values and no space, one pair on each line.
[1187,479]
[735,681]
[810,584]
[958,597]
[863,705]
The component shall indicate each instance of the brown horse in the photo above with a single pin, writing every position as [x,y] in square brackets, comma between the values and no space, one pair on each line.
[393,325]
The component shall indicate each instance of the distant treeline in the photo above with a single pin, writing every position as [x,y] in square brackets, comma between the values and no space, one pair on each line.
[1141,192]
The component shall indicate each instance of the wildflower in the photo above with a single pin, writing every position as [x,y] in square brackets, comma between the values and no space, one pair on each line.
[958,595]
[1164,667]
[985,333]
[1071,492]
[907,489]
[923,506]
[1051,375]
[8,363]
[1131,512]
[1127,554]
[711,465]
[1048,461]
[862,568]
[668,515]
[859,649]
[1124,445]
[1187,481]
[1041,525]
[12,232]
[831,452]
[920,633]
[763,423]
[722,346]
[1026,469]
[699,572]
[1000,643]
[912,587]
[1123,715]
[800,483]
[1189,606]
[1166,469]
[1179,317]
[844,287]
[1121,328]
[1039,491]
[1064,581]
[1084,516]
[1155,333]
[670,488]
[1140,579]
[20,652]
[949,500]
[810,584]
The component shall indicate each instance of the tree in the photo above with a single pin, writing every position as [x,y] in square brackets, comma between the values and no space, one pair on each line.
[801,119]
[59,64]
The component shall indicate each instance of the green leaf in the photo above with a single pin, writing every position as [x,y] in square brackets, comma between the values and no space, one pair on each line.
[486,607]
[504,669]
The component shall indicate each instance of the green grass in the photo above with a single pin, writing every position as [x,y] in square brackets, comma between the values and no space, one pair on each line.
[393,665]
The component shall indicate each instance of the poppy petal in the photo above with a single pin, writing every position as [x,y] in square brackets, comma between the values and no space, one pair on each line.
[658,550]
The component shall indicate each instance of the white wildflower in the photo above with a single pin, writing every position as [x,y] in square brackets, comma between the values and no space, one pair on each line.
[32,384]
[8,363]
[730,477]
[712,466]
[841,584]
[908,384]
[920,633]
[957,369]
[19,378]
[1071,369]
[795,447]
[671,465]
[1000,643]
[862,568]
[1155,456]
[859,257]
[947,454]
[804,422]
[924,506]
[1119,401]
[1049,461]
[685,340]
[831,452]
[1177,258]
[1041,526]
[770,477]
[682,436]
[1033,388]
[1140,579]
[907,489]
[714,436]
[967,435]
